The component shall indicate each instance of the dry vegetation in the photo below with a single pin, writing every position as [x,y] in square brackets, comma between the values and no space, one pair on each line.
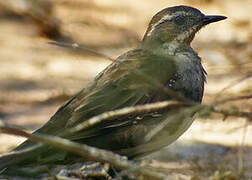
[37,77]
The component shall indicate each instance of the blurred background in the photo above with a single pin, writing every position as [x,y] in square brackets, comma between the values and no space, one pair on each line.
[37,77]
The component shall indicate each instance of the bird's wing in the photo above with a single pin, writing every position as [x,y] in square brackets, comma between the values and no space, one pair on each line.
[126,82]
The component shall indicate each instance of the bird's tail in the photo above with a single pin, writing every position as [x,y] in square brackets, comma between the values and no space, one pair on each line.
[18,156]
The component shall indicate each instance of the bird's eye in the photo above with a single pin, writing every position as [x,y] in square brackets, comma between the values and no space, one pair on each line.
[179,20]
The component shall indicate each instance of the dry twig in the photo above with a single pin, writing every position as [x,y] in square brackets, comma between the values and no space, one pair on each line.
[87,152]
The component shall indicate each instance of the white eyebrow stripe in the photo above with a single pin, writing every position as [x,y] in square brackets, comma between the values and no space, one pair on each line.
[153,26]
[165,18]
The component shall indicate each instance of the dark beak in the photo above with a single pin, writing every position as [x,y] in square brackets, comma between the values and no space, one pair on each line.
[211,19]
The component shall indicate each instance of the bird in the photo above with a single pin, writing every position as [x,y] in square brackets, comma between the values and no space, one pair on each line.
[164,59]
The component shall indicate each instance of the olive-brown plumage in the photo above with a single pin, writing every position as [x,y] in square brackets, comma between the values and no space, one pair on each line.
[164,57]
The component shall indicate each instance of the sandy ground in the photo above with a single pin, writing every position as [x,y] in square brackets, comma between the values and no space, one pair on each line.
[36,77]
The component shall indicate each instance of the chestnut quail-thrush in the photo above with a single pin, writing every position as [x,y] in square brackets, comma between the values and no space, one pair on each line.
[164,56]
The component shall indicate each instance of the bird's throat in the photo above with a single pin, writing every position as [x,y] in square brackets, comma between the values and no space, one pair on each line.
[165,48]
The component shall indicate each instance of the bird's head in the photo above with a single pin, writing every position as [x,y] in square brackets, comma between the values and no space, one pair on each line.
[177,24]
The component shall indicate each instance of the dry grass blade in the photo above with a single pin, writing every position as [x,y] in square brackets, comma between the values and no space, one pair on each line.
[148,77]
[121,112]
[247,76]
[84,151]
[238,98]
[231,112]
[81,48]
[117,161]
